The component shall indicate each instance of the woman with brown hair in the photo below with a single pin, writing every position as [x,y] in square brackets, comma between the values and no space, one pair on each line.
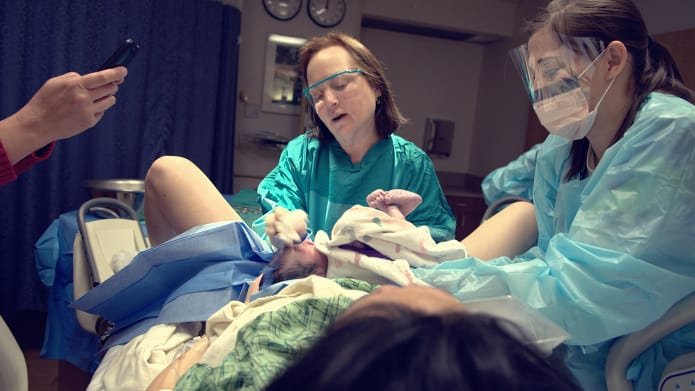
[352,149]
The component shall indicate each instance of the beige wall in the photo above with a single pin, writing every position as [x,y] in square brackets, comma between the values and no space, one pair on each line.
[500,125]
[478,16]
[435,78]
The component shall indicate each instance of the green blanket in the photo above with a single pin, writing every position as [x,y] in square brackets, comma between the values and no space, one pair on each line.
[266,345]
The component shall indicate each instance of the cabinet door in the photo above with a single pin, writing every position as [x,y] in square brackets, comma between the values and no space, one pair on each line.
[468,212]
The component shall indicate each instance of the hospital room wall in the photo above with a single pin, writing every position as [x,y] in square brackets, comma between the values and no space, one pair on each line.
[402,53]
[426,86]
[473,84]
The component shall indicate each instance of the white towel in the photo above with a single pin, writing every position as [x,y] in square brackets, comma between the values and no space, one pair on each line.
[397,239]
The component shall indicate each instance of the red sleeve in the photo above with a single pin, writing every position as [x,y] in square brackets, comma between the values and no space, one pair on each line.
[9,173]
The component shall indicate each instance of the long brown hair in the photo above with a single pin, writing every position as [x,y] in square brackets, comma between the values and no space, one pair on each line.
[387,117]
[653,68]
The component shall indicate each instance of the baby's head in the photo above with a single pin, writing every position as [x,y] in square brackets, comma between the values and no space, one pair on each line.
[298,261]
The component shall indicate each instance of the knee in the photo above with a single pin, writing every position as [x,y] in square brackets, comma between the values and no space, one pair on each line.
[524,208]
[526,215]
[163,170]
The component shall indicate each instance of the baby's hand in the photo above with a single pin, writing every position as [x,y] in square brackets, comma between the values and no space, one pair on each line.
[286,228]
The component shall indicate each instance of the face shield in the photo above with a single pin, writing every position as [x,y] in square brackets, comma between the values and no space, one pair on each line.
[557,71]
[551,64]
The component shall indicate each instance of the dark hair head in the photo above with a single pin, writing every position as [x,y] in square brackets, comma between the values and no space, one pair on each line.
[402,349]
[387,116]
[283,270]
[653,68]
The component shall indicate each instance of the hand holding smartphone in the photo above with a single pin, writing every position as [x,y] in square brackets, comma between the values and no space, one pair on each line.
[122,55]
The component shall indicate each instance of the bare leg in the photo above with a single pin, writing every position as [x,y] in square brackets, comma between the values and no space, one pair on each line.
[178,196]
[508,233]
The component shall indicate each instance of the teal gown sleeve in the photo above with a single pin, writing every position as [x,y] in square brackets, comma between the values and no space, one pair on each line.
[616,249]
[284,185]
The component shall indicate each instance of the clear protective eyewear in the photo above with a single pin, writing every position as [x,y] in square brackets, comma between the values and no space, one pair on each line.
[336,83]
[551,64]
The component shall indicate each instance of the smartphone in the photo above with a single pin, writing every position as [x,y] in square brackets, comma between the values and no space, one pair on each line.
[122,55]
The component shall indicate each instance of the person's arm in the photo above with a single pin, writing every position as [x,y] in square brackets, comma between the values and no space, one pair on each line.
[167,378]
[508,233]
[9,172]
[64,106]
[283,185]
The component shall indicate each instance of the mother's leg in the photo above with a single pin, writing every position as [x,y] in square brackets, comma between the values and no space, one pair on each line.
[179,196]
[508,233]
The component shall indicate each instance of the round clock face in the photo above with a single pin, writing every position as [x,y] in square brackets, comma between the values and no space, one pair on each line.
[282,9]
[326,13]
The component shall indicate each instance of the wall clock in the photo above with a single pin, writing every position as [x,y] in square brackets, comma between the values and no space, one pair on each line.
[326,13]
[282,9]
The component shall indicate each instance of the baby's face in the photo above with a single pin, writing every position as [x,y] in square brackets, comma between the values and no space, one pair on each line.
[306,254]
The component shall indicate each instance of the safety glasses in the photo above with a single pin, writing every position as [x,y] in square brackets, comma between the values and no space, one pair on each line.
[336,84]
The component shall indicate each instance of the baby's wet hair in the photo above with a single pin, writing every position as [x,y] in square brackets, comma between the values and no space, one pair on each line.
[283,271]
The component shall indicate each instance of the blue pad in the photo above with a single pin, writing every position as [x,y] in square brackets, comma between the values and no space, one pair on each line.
[185,279]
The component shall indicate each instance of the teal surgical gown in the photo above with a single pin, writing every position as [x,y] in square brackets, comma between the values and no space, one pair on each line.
[615,250]
[320,179]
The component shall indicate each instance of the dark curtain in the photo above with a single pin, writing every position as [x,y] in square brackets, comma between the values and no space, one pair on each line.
[178,99]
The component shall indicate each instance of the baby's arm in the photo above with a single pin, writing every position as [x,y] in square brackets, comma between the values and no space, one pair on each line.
[396,203]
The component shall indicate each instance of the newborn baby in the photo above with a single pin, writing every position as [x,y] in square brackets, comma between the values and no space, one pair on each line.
[303,259]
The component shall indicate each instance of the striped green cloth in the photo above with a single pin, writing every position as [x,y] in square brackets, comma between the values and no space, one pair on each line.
[267,344]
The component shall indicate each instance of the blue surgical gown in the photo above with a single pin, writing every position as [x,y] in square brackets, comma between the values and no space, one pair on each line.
[320,179]
[615,250]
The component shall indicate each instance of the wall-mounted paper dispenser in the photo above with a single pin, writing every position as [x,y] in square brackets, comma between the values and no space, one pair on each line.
[439,136]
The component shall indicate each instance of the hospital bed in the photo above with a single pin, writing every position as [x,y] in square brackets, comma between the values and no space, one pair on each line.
[97,244]
[680,372]
[630,346]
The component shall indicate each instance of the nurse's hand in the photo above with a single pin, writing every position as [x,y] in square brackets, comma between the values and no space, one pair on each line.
[286,228]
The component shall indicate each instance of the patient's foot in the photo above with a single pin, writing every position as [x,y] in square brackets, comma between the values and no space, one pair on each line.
[405,201]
